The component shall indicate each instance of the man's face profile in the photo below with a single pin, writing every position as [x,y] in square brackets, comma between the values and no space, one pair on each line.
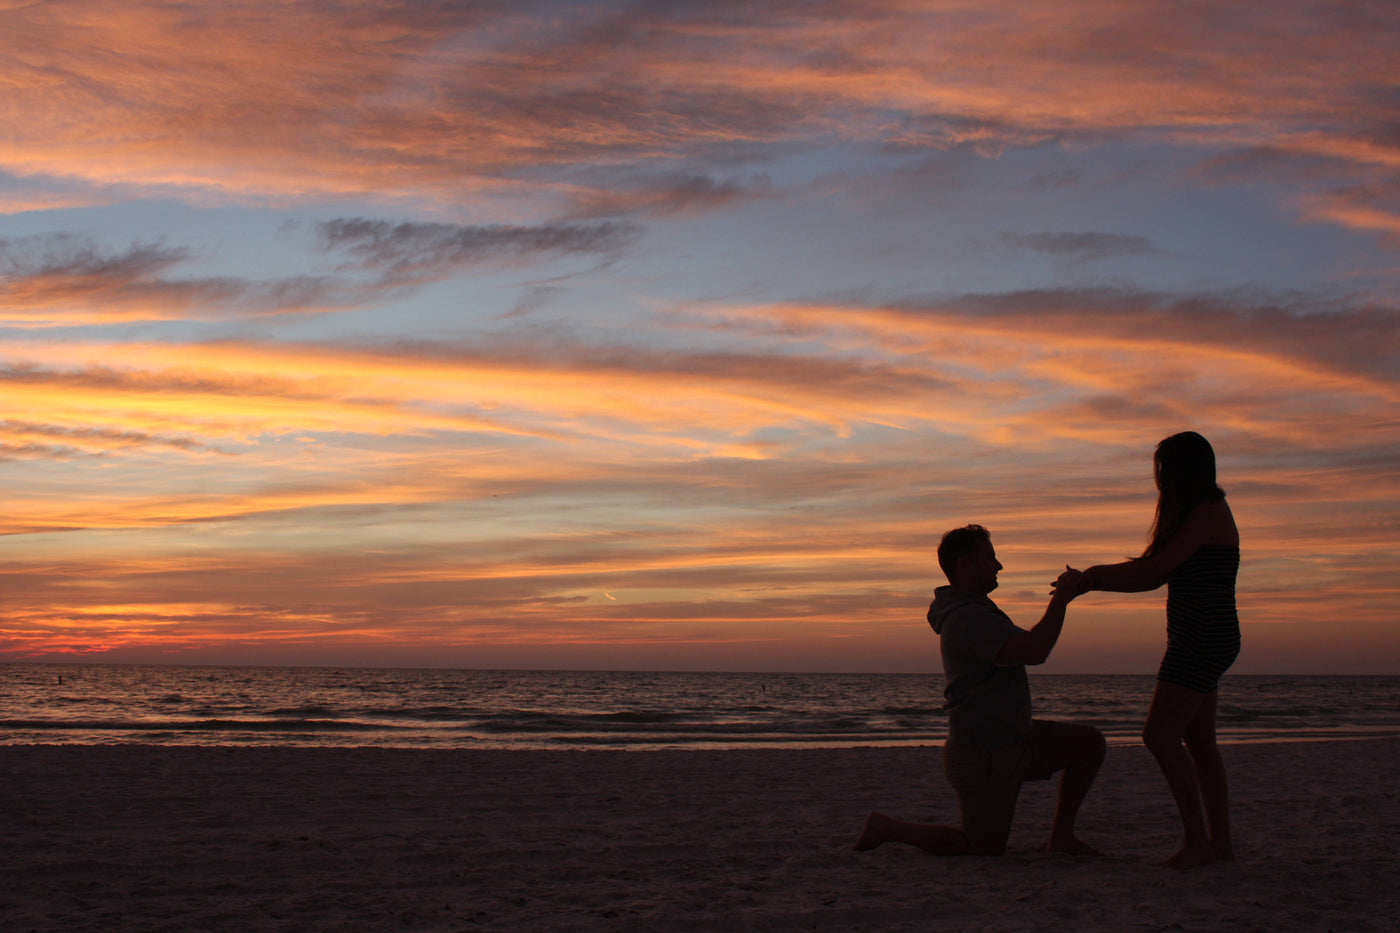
[978,571]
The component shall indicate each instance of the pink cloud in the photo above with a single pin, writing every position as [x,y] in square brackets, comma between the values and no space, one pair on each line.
[425,102]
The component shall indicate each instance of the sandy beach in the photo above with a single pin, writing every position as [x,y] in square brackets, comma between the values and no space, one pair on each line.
[128,838]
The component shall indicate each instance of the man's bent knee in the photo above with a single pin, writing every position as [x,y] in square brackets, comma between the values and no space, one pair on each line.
[1075,744]
[1087,741]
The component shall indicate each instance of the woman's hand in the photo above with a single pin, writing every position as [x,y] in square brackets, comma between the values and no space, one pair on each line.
[1068,585]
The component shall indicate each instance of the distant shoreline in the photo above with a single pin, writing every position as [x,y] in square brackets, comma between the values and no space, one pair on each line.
[1148,670]
[442,708]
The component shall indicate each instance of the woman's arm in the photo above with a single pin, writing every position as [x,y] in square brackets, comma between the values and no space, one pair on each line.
[1209,523]
[1131,576]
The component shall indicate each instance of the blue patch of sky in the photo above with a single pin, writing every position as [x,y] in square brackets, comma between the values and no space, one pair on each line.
[882,226]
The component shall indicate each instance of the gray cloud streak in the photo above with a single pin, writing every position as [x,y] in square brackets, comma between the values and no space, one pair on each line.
[1081,246]
[101,437]
[405,253]
[65,274]
[670,195]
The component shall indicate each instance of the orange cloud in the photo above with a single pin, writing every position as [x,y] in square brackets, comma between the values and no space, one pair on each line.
[404,102]
[611,470]
[758,475]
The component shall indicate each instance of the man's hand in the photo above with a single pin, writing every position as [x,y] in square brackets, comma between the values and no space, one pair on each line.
[1067,585]
[1034,646]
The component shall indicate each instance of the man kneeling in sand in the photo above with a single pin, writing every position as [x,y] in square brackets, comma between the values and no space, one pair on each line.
[993,743]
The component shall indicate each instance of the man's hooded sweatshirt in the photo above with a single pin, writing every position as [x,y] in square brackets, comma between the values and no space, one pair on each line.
[989,704]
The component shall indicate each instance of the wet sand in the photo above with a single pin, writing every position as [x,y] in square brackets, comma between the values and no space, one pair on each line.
[133,838]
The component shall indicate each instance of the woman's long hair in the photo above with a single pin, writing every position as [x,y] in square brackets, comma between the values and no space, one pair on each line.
[1184,465]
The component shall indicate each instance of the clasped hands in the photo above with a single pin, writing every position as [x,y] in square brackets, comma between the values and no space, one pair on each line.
[1069,584]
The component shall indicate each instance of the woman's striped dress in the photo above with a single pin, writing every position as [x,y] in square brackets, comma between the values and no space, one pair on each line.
[1203,629]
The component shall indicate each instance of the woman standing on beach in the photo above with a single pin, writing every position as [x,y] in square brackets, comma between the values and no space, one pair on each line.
[1195,550]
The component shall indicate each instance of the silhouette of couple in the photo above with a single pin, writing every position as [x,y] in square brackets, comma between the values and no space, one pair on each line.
[993,743]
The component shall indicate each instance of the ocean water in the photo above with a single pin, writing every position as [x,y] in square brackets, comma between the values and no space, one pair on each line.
[93,704]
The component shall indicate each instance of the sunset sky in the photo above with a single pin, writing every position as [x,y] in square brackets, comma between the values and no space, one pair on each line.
[673,335]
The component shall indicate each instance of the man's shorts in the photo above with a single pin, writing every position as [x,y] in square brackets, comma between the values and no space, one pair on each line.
[988,780]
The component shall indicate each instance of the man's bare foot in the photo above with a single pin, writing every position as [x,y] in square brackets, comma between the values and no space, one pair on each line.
[1224,853]
[1071,846]
[1190,858]
[874,832]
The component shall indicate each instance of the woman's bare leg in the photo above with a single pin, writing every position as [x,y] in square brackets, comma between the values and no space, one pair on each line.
[1173,708]
[1210,772]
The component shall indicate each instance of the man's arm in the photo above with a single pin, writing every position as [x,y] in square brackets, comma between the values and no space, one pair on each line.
[1034,646]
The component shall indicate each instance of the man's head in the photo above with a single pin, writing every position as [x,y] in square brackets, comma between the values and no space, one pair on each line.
[968,559]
